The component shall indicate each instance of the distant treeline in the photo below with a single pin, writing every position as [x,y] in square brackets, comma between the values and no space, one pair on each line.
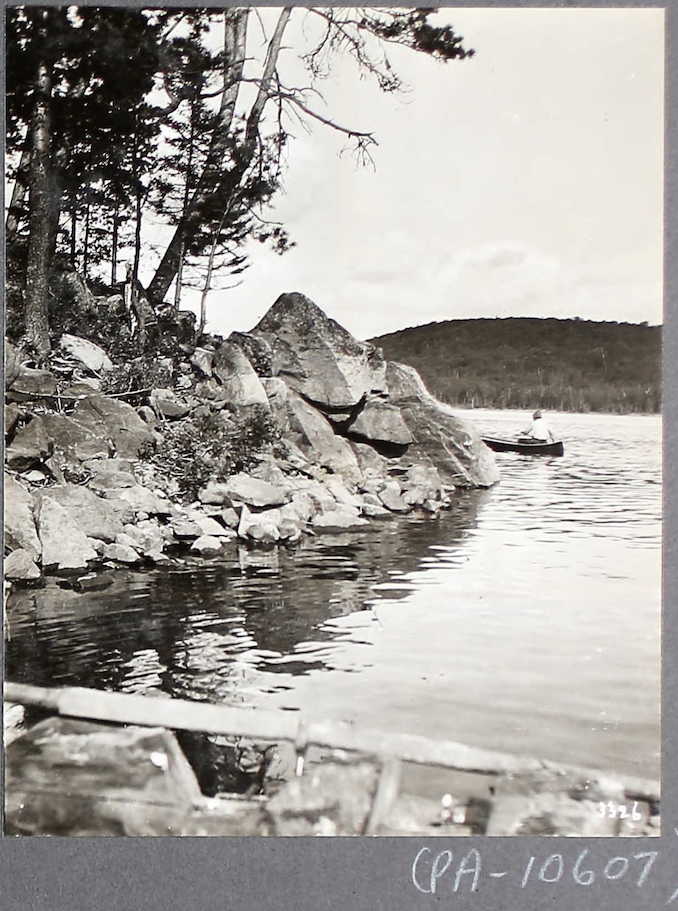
[559,364]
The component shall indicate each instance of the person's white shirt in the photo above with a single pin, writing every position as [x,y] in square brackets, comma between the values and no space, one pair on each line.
[540,430]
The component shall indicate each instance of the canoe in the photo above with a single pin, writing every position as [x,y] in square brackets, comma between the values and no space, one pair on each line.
[526,447]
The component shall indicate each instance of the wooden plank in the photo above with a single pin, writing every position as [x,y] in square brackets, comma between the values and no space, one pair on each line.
[259,724]
[420,750]
[178,714]
[386,795]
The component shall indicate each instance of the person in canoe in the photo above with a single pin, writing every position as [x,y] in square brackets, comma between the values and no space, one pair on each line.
[539,430]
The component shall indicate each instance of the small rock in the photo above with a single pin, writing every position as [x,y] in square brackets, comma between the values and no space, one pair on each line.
[147,414]
[142,500]
[209,526]
[242,488]
[342,494]
[35,476]
[338,520]
[97,545]
[157,556]
[392,498]
[126,540]
[93,582]
[414,496]
[165,402]
[202,359]
[230,517]
[185,528]
[83,387]
[206,544]
[121,553]
[375,512]
[20,566]
[259,527]
[89,354]
[148,536]
[110,467]
[289,530]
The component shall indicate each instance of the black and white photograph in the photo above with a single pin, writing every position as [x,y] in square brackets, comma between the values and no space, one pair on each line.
[333,469]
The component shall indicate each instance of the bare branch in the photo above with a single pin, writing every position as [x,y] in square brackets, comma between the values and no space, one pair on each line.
[368,137]
[269,69]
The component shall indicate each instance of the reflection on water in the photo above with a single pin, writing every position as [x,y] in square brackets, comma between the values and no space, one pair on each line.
[525,619]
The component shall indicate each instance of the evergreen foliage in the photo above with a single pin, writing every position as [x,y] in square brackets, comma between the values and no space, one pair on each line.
[198,450]
[118,114]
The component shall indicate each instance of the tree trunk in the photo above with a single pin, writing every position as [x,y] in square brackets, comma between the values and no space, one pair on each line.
[74,236]
[137,235]
[18,199]
[85,255]
[179,279]
[37,270]
[114,242]
[54,210]
[208,279]
[184,209]
[235,35]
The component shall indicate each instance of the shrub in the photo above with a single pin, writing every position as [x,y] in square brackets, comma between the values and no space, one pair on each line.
[140,373]
[211,448]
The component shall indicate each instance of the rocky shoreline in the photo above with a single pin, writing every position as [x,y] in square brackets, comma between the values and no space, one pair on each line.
[310,431]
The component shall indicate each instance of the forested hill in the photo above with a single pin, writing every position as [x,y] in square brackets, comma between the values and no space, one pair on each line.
[559,364]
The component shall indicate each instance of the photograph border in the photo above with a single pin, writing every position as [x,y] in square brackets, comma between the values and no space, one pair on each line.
[200,874]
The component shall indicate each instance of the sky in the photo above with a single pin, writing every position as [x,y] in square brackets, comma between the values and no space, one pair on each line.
[525,181]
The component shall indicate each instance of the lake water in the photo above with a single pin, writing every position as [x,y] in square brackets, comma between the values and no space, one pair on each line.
[525,619]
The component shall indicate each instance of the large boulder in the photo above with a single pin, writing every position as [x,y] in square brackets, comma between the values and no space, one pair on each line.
[111,419]
[240,384]
[20,530]
[313,434]
[440,437]
[382,424]
[94,516]
[90,355]
[30,445]
[30,383]
[57,433]
[317,357]
[64,544]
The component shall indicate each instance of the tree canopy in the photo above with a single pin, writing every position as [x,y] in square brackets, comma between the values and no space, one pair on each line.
[120,118]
